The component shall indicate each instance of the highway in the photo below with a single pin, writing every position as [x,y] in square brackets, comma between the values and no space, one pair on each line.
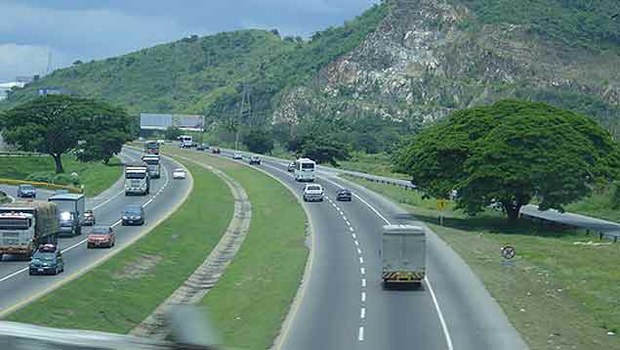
[17,287]
[343,305]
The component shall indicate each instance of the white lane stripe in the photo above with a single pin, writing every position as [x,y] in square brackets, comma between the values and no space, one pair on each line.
[363,313]
[430,288]
[444,326]
[359,251]
[362,271]
[13,274]
[360,334]
[344,218]
[347,222]
[351,229]
[354,235]
[361,260]
[364,282]
[363,297]
[356,243]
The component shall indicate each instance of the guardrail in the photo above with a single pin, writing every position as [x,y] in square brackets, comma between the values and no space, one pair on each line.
[47,185]
[21,154]
[601,228]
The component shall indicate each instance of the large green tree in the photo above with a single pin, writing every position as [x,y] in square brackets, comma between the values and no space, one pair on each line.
[511,152]
[56,124]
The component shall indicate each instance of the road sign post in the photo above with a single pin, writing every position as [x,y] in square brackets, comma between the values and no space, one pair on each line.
[441,205]
[508,252]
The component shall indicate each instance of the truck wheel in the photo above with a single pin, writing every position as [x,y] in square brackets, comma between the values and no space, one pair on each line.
[30,272]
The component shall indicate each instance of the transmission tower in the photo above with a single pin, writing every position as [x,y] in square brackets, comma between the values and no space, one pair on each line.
[245,110]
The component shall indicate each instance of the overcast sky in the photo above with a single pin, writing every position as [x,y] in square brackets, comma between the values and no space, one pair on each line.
[78,29]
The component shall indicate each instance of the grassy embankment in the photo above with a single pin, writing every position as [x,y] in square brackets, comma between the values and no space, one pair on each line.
[95,176]
[559,293]
[252,299]
[120,293]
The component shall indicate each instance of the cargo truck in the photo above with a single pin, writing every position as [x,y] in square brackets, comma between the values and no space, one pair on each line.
[152,165]
[26,224]
[404,255]
[137,180]
[71,210]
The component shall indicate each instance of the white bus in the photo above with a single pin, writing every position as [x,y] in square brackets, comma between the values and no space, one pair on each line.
[304,169]
[185,141]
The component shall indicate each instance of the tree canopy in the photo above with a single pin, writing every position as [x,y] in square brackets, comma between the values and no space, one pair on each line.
[56,124]
[511,152]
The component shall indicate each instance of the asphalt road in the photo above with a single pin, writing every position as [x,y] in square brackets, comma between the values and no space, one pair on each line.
[343,304]
[17,287]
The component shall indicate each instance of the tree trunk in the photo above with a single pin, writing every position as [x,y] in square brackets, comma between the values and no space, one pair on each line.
[58,161]
[513,211]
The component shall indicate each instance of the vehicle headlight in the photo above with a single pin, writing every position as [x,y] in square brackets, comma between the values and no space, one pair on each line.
[65,216]
[125,217]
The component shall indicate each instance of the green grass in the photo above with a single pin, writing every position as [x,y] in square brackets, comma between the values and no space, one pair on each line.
[116,296]
[253,297]
[598,205]
[95,176]
[557,294]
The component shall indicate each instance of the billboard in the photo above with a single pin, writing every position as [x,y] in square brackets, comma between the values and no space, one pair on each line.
[189,122]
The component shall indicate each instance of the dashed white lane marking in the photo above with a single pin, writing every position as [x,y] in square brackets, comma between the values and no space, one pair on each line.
[356,243]
[359,251]
[361,260]
[354,236]
[348,223]
[362,271]
[363,313]
[360,334]
[363,282]
[345,218]
[363,297]
[351,229]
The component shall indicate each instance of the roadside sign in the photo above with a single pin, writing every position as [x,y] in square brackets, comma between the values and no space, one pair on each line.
[508,252]
[441,204]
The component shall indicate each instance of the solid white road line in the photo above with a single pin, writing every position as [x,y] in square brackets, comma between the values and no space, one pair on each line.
[360,334]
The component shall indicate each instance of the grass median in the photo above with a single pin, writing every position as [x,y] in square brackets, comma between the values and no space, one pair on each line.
[95,176]
[252,299]
[560,292]
[120,293]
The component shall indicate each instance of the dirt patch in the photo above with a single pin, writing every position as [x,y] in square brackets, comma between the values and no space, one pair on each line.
[139,267]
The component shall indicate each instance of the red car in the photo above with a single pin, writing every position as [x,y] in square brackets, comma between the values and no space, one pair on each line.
[101,236]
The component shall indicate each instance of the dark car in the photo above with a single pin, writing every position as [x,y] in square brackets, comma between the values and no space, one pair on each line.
[89,218]
[101,236]
[254,160]
[291,167]
[216,150]
[132,215]
[26,191]
[344,194]
[47,260]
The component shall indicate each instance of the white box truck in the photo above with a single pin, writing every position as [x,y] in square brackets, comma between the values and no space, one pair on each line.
[26,224]
[71,209]
[404,255]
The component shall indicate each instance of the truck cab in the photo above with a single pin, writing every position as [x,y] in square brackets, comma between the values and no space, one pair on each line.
[71,208]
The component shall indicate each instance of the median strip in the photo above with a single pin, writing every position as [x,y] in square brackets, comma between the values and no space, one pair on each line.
[251,301]
[121,292]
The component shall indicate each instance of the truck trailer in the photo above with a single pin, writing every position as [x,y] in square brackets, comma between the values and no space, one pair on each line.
[71,209]
[404,255]
[26,224]
[153,165]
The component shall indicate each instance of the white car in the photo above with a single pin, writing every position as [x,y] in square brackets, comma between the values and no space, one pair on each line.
[237,155]
[313,192]
[178,173]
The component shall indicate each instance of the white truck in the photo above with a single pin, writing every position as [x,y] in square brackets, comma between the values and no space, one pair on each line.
[153,165]
[71,209]
[404,255]
[137,180]
[186,141]
[26,224]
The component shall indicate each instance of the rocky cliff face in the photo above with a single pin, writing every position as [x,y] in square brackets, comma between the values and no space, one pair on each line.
[424,61]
